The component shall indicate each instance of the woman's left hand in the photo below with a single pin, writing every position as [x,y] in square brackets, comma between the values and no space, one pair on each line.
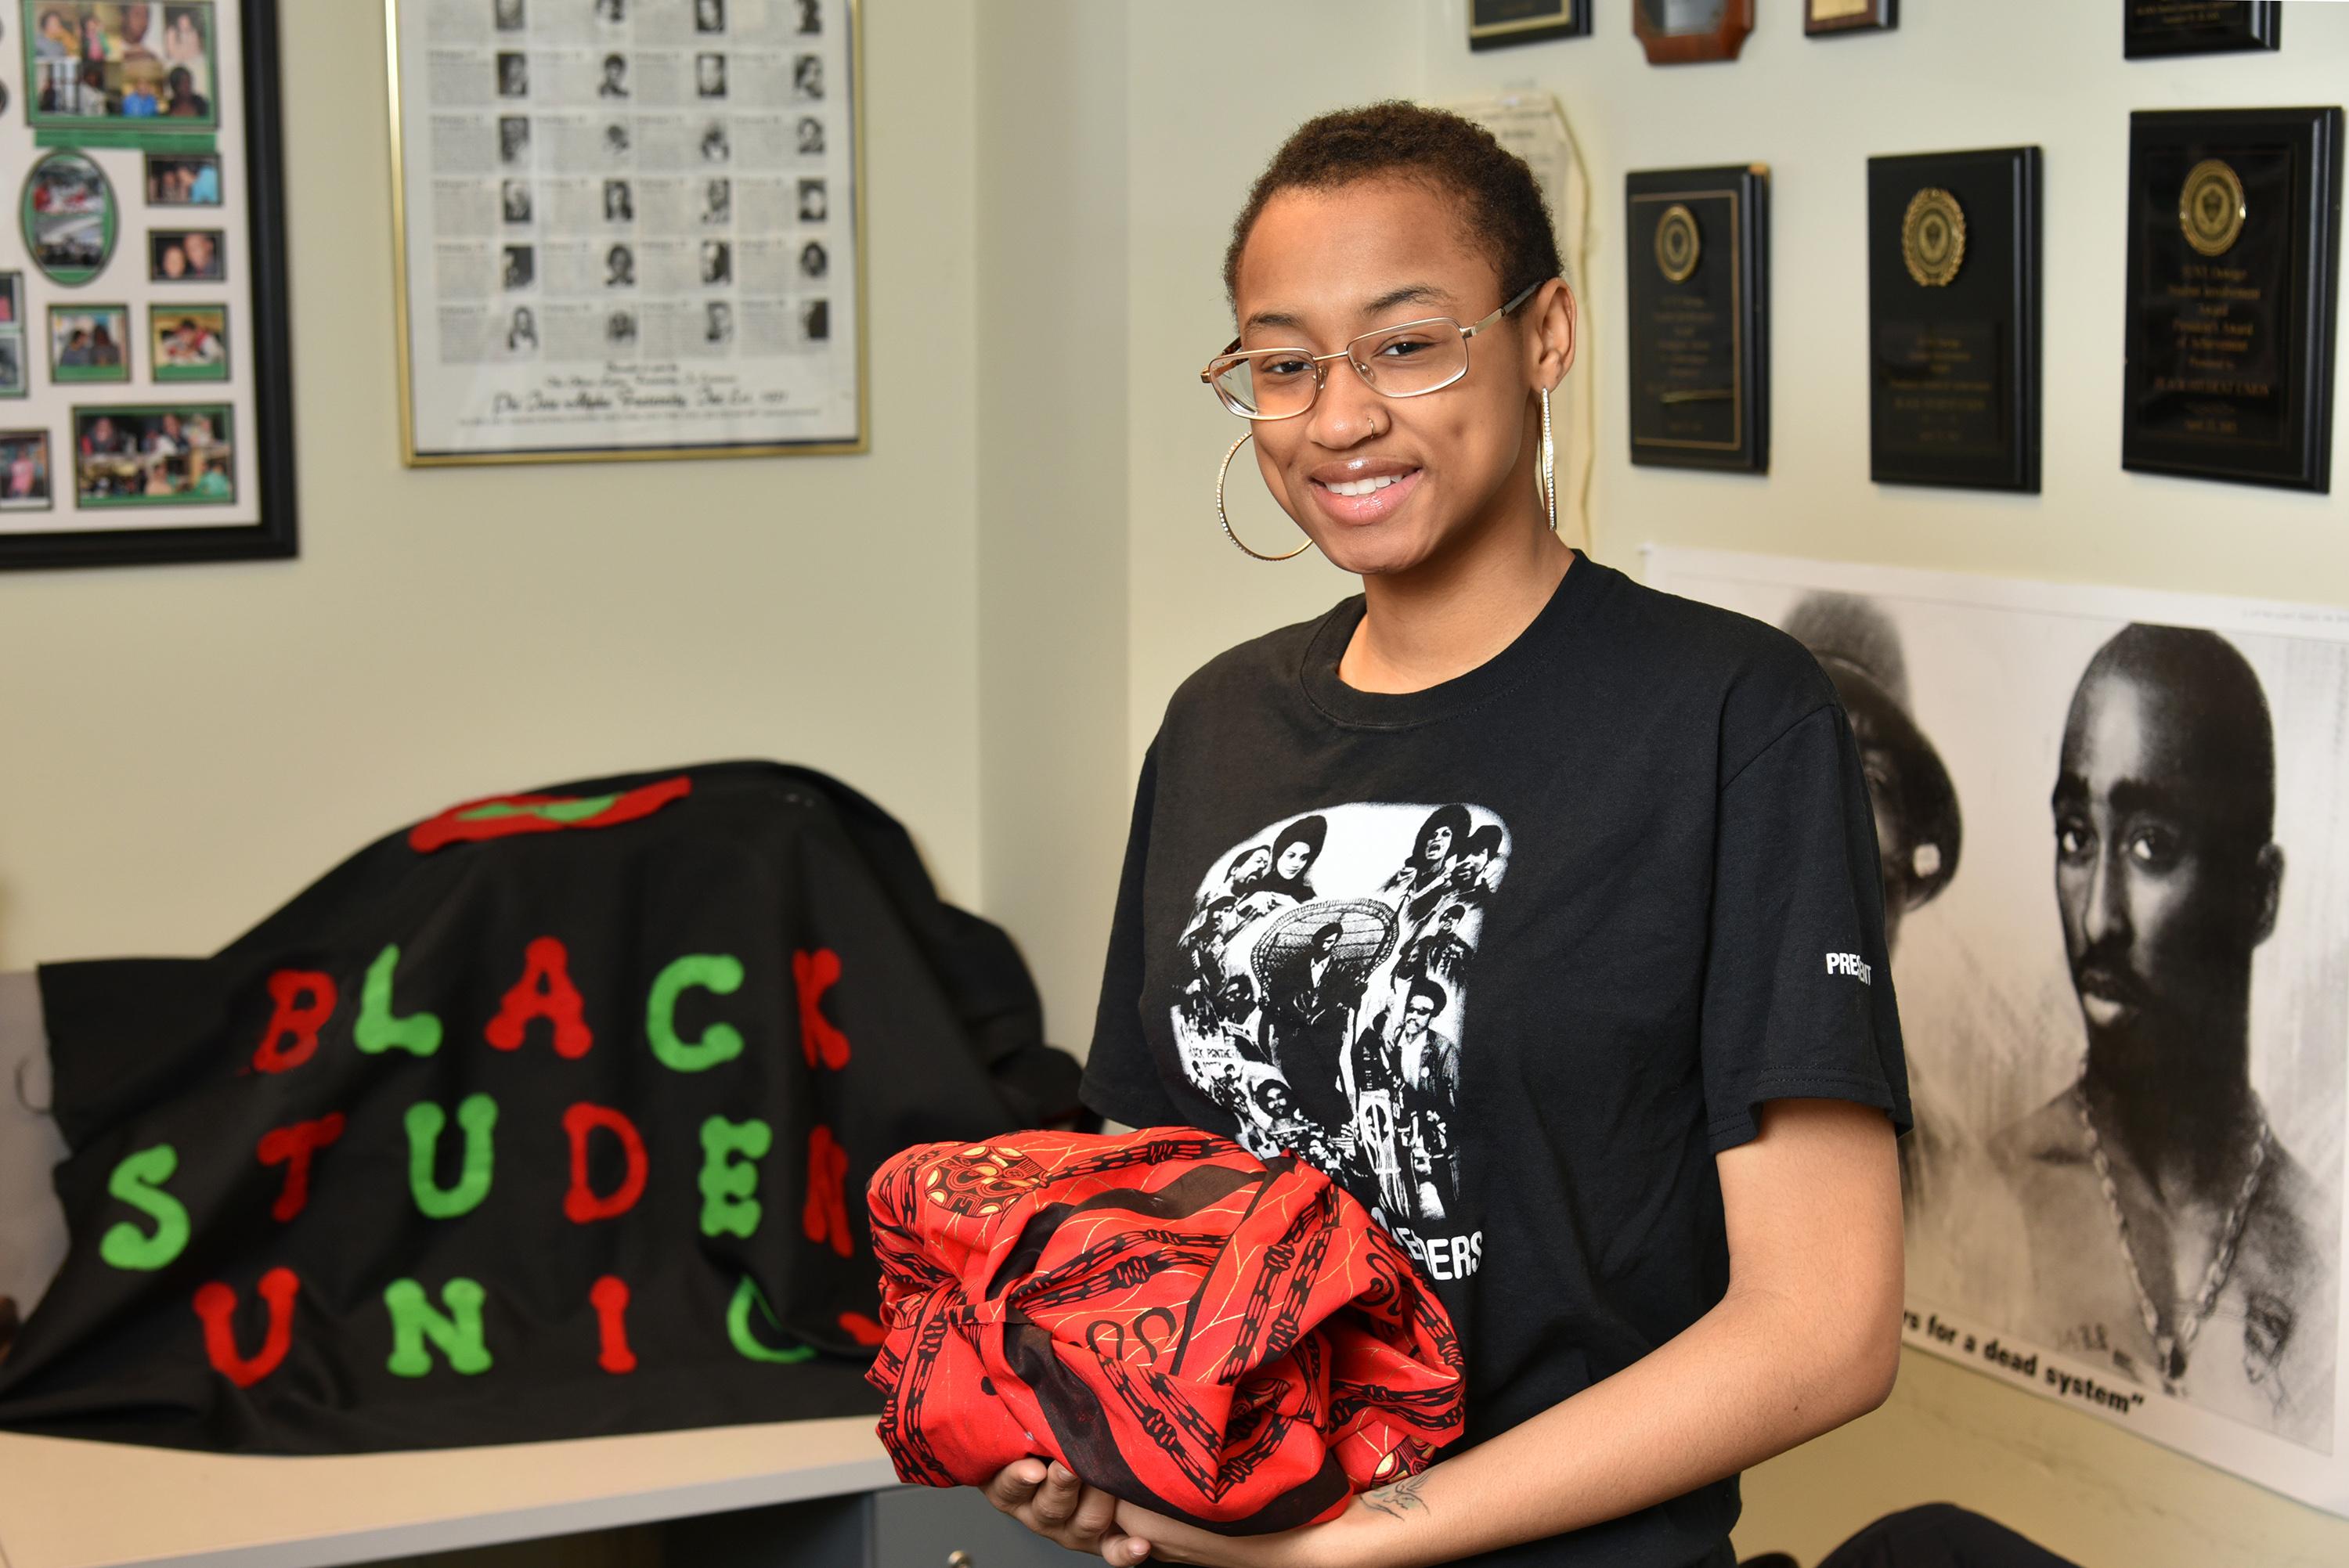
[1171,1541]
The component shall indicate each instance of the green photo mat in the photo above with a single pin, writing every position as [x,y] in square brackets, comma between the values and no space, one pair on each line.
[223,418]
[162,313]
[156,133]
[83,375]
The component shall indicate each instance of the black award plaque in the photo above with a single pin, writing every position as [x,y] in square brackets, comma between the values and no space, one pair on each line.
[2234,259]
[1700,288]
[1953,319]
[2151,28]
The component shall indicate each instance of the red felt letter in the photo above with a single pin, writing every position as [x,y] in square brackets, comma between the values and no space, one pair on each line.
[581,1205]
[825,1218]
[292,1148]
[216,1304]
[291,1037]
[813,973]
[544,991]
[609,1296]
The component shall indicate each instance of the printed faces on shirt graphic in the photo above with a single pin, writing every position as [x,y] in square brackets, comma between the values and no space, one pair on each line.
[1324,1001]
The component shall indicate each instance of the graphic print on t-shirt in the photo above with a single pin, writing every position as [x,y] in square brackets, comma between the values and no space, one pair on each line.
[1322,995]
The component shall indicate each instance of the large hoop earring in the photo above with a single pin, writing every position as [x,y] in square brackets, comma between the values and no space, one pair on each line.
[1546,469]
[1224,518]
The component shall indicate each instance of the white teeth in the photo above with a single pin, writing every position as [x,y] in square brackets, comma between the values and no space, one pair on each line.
[1363,487]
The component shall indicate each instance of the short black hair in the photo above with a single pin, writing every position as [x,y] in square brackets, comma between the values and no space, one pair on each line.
[2215,696]
[1501,203]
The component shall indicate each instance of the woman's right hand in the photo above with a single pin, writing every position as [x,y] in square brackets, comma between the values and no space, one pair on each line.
[1047,1497]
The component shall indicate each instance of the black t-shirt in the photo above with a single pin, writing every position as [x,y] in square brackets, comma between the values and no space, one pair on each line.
[1514,957]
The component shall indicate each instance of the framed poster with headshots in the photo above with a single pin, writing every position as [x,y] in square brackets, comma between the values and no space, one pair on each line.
[627,228]
[146,410]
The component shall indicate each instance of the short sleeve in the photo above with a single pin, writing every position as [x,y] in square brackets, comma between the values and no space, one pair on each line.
[1121,1079]
[1798,998]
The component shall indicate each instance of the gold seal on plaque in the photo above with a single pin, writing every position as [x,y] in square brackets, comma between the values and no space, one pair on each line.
[1934,237]
[2211,207]
[1677,244]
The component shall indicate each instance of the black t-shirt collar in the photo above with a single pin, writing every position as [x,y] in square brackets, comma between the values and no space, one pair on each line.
[1532,649]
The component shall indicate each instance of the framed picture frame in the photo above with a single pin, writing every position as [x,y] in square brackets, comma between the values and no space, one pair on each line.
[1954,243]
[1688,31]
[628,231]
[1841,18]
[1697,267]
[1503,23]
[89,342]
[2233,289]
[147,248]
[89,82]
[2158,29]
[16,339]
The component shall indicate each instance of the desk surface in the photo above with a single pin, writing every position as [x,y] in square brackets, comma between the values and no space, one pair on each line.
[71,1504]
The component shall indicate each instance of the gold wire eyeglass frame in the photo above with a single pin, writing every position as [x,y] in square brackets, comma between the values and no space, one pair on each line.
[1235,355]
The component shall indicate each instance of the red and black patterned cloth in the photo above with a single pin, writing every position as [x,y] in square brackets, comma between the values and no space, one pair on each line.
[1229,1341]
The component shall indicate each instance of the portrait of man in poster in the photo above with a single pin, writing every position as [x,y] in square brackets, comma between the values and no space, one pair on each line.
[2125,1003]
[2172,1233]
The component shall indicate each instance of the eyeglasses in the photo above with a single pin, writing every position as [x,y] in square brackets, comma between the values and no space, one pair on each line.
[1408,360]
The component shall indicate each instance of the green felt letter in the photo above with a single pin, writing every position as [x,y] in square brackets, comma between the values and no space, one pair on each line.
[377,1030]
[458,1332]
[478,1115]
[727,1206]
[738,1327]
[719,971]
[137,1181]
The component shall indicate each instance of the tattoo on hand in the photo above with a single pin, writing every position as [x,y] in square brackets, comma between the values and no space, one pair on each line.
[1400,1499]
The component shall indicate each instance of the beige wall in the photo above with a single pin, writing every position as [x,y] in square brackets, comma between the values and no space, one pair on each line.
[1051,399]
[183,747]
[1214,86]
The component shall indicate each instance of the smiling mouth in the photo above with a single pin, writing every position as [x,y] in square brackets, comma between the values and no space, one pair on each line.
[1366,500]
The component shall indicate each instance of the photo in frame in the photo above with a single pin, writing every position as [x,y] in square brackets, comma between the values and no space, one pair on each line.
[108,73]
[1841,18]
[13,373]
[1503,23]
[148,248]
[628,231]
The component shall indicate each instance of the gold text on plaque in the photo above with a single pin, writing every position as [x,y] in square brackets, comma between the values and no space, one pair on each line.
[2211,207]
[1677,244]
[1934,237]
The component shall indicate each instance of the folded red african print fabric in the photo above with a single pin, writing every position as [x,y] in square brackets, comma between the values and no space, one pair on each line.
[1229,1341]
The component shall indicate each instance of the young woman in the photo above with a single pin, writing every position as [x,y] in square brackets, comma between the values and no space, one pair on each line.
[1641,1137]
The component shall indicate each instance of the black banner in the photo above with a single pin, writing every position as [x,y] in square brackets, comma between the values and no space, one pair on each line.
[549,1117]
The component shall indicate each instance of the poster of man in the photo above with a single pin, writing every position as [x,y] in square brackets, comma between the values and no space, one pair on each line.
[2116,872]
